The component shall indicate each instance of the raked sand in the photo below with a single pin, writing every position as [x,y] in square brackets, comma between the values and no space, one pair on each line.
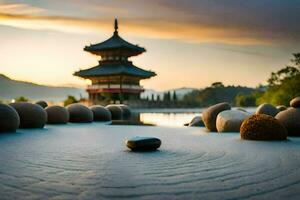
[91,161]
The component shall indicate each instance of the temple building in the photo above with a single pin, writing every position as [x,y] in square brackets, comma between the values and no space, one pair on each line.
[115,79]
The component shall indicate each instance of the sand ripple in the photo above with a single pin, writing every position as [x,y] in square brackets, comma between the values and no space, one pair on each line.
[92,162]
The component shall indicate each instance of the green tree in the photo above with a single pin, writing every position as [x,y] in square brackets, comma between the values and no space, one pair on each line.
[158,97]
[70,99]
[217,85]
[174,98]
[283,84]
[21,99]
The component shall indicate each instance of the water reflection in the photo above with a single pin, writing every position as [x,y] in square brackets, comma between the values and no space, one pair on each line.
[173,117]
[167,119]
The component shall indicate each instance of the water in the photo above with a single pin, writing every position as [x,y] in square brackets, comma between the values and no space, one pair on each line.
[172,117]
[167,119]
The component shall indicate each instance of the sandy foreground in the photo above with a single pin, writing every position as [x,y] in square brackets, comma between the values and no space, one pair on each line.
[91,161]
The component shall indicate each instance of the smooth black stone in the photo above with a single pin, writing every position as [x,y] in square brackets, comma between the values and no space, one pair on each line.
[100,113]
[143,143]
[31,115]
[116,112]
[9,118]
[126,112]
[57,115]
[42,103]
[80,113]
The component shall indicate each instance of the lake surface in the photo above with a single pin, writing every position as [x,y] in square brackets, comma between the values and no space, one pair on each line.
[172,117]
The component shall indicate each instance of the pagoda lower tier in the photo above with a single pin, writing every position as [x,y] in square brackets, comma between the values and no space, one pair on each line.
[114,88]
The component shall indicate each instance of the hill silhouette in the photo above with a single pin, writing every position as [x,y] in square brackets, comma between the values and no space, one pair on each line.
[10,88]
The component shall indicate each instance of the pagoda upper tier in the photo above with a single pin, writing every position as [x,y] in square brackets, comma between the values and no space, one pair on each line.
[115,46]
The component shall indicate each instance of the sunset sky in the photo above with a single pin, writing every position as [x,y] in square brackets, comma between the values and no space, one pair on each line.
[189,43]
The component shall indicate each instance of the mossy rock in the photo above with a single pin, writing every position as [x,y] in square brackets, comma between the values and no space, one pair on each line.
[9,118]
[262,127]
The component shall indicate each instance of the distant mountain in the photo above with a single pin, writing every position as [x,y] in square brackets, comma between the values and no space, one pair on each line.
[10,89]
[180,93]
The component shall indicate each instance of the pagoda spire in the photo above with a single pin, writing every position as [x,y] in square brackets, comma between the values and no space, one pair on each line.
[116,27]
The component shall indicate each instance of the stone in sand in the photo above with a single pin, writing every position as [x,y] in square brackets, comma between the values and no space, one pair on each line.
[116,112]
[31,115]
[197,121]
[230,120]
[143,143]
[126,112]
[281,108]
[290,118]
[57,115]
[267,109]
[9,118]
[209,115]
[295,102]
[42,103]
[262,127]
[79,113]
[100,113]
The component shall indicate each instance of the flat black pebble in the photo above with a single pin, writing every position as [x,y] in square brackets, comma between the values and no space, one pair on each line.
[143,143]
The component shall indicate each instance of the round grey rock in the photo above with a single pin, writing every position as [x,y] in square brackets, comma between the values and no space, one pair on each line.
[209,115]
[79,113]
[281,108]
[295,102]
[290,118]
[126,112]
[31,115]
[143,143]
[231,120]
[197,122]
[9,118]
[100,113]
[267,109]
[42,103]
[57,115]
[116,112]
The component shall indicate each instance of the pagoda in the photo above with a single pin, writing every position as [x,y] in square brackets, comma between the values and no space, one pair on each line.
[115,79]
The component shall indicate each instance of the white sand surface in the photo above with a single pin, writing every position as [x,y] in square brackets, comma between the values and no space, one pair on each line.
[91,161]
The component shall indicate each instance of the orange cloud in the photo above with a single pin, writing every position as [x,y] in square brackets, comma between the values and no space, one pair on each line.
[187,29]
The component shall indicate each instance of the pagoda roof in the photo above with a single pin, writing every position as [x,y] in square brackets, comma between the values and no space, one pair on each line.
[110,69]
[113,43]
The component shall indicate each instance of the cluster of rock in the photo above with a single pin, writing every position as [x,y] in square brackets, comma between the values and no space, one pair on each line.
[268,122]
[29,115]
[290,117]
